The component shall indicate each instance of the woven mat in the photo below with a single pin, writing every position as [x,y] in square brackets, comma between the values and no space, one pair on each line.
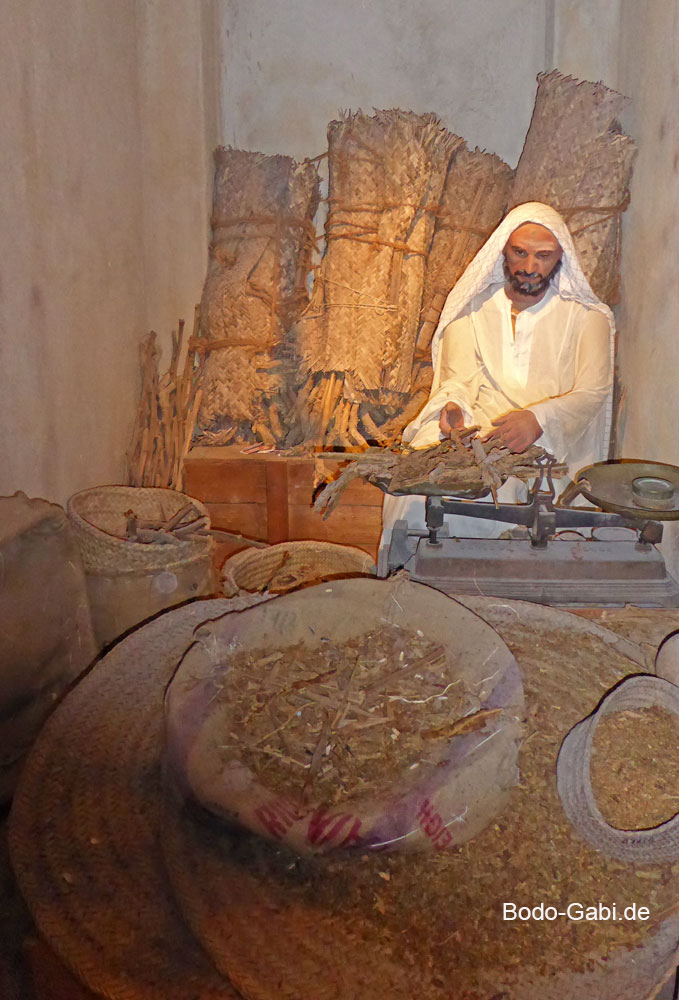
[84,827]
[85,838]
[276,948]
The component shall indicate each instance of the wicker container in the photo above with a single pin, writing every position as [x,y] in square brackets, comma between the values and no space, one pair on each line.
[292,564]
[130,581]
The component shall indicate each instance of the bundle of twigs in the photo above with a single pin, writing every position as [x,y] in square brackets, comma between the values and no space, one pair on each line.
[166,415]
[576,159]
[186,524]
[357,337]
[255,289]
[460,463]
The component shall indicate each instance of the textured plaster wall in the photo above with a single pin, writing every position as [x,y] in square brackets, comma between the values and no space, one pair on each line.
[649,312]
[71,268]
[290,65]
[179,99]
[107,120]
[635,49]
[587,39]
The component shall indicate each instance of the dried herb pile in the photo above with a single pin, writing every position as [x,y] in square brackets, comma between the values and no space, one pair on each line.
[441,915]
[634,768]
[460,464]
[345,720]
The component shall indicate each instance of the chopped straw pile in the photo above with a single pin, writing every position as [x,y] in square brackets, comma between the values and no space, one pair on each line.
[351,720]
[635,763]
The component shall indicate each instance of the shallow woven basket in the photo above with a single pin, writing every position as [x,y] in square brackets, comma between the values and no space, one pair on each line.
[292,564]
[98,520]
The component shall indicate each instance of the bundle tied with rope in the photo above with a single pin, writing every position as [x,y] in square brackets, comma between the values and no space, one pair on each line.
[357,336]
[260,256]
[474,198]
[166,414]
[577,159]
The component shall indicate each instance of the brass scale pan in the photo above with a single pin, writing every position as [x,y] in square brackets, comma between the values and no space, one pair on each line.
[631,488]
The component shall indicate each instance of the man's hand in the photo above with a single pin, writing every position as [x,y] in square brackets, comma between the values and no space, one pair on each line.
[516,430]
[451,418]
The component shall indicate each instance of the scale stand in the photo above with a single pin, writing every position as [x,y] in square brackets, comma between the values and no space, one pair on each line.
[541,568]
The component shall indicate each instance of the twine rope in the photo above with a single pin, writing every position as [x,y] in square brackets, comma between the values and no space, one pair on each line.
[605,211]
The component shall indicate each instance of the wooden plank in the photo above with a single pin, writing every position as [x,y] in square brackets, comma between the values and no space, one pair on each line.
[348,524]
[247,519]
[358,493]
[225,480]
[277,502]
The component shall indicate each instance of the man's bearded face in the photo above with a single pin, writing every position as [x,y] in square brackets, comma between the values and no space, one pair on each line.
[532,258]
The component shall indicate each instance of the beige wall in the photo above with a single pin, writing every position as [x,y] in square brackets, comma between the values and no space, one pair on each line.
[649,313]
[179,110]
[107,120]
[635,48]
[292,64]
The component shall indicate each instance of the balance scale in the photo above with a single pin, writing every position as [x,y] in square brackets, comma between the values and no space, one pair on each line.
[541,566]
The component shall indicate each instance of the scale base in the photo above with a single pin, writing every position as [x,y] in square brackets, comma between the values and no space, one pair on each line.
[565,573]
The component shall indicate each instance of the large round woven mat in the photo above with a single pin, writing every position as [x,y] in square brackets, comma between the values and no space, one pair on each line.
[238,902]
[85,823]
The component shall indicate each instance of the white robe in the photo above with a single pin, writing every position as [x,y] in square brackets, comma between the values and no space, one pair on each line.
[557,363]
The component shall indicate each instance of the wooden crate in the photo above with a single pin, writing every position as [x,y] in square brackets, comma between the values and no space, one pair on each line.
[269,498]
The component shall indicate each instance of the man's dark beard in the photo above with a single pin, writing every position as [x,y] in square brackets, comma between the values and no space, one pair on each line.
[526,288]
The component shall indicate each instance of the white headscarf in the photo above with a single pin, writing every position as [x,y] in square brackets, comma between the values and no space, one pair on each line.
[487,269]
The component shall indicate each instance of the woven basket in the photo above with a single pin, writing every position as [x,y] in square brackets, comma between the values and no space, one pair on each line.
[292,564]
[98,519]
[128,581]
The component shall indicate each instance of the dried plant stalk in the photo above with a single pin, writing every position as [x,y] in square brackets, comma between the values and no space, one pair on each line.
[255,289]
[576,159]
[460,463]
[166,415]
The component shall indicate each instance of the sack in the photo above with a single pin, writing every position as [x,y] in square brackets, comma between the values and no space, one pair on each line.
[448,799]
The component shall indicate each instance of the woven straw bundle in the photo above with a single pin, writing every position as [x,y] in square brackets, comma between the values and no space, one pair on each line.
[473,202]
[576,159]
[386,177]
[255,288]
